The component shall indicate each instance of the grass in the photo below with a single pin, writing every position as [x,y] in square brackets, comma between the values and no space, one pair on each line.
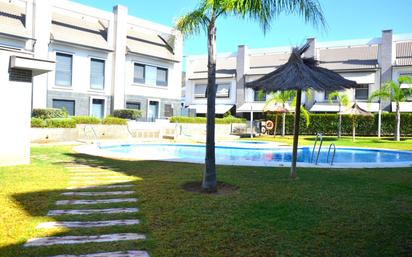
[372,142]
[325,212]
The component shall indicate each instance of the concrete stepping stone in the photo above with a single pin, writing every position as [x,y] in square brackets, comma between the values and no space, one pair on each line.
[92,211]
[63,240]
[96,181]
[98,193]
[100,201]
[100,187]
[111,254]
[86,224]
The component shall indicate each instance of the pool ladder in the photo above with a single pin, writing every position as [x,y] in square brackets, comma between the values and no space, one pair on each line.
[93,137]
[319,137]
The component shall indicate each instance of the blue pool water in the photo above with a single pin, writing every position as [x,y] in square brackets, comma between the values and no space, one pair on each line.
[250,152]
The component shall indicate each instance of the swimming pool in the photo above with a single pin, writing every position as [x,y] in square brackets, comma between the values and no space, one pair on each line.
[251,153]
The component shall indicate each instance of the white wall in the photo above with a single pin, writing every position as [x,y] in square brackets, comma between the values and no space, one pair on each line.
[15,108]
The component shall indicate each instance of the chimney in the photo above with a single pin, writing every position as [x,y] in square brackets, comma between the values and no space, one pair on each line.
[311,52]
[386,56]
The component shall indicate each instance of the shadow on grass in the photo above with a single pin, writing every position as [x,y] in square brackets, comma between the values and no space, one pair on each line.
[37,204]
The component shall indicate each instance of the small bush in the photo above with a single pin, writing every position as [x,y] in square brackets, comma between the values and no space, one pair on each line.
[38,123]
[226,120]
[86,120]
[109,120]
[49,113]
[130,114]
[61,123]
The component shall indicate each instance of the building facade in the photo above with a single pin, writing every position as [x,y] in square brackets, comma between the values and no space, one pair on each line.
[102,60]
[369,62]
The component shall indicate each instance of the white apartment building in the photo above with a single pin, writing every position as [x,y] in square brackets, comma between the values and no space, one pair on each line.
[103,60]
[369,62]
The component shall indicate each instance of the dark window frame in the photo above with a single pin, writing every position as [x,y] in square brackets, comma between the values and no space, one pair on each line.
[256,96]
[134,103]
[139,80]
[104,73]
[160,82]
[198,95]
[362,87]
[71,70]
[65,100]
[228,92]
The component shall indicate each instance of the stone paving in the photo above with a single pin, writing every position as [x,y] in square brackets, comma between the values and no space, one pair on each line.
[85,177]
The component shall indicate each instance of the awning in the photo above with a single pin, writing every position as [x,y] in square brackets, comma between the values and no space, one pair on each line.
[38,66]
[360,77]
[334,107]
[257,107]
[202,108]
[403,106]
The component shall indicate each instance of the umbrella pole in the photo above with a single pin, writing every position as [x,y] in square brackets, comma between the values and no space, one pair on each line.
[296,134]
[353,128]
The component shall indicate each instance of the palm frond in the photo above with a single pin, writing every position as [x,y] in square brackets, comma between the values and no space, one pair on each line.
[193,22]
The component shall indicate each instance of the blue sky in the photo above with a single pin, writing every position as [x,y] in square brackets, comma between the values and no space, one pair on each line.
[347,19]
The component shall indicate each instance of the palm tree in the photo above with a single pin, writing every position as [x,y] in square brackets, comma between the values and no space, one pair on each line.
[342,99]
[280,97]
[392,91]
[204,18]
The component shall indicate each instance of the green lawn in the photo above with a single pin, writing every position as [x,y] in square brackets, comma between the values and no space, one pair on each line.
[326,212]
[373,142]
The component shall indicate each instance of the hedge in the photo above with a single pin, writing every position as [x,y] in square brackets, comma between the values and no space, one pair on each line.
[86,120]
[49,113]
[109,120]
[130,114]
[53,123]
[328,124]
[225,120]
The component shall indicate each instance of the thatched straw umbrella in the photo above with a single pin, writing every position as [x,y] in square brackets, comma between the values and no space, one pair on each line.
[299,74]
[354,111]
[276,109]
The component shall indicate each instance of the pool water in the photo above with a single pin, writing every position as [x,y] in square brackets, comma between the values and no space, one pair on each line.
[246,153]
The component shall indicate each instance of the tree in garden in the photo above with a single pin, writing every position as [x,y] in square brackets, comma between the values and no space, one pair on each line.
[204,17]
[393,91]
[280,97]
[342,99]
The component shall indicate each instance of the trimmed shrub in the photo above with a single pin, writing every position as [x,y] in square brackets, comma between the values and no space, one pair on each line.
[38,123]
[86,120]
[129,114]
[49,113]
[109,120]
[365,125]
[226,120]
[61,123]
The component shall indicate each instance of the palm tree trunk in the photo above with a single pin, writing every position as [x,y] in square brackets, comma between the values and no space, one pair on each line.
[283,124]
[276,125]
[296,134]
[340,123]
[209,174]
[398,123]
[353,128]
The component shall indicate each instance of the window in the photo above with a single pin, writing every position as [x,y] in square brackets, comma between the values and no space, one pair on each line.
[161,78]
[68,105]
[362,92]
[133,105]
[96,73]
[63,70]
[20,75]
[223,90]
[259,96]
[150,75]
[98,108]
[200,91]
[139,73]
[168,110]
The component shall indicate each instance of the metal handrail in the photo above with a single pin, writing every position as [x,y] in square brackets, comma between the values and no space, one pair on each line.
[333,155]
[94,134]
[319,137]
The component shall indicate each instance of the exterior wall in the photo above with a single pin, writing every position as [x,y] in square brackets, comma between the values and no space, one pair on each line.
[144,102]
[15,101]
[190,90]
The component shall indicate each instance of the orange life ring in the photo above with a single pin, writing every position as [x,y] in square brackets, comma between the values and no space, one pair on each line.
[270,125]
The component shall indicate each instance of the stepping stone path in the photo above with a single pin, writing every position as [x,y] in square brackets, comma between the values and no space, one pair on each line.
[83,178]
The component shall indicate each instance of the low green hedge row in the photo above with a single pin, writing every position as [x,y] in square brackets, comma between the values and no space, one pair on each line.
[225,120]
[49,113]
[71,122]
[365,125]
[129,114]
